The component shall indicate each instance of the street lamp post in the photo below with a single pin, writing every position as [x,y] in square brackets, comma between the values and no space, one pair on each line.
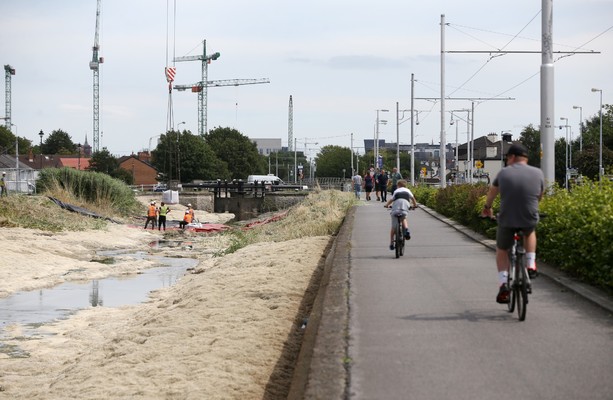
[580,123]
[179,153]
[376,148]
[566,151]
[79,160]
[41,148]
[600,168]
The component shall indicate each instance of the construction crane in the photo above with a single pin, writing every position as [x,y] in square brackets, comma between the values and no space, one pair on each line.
[94,65]
[202,87]
[8,72]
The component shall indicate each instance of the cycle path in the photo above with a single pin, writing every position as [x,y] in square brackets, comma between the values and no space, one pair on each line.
[426,326]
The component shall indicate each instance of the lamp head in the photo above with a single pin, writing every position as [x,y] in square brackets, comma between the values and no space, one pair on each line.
[596,90]
[575,107]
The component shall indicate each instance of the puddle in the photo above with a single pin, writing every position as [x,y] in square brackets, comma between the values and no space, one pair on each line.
[34,308]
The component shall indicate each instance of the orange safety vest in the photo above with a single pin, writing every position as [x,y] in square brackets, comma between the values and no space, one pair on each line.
[151,212]
[187,218]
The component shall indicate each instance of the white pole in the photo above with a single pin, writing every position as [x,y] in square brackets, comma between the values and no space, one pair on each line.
[412,136]
[398,137]
[472,141]
[442,161]
[352,170]
[547,94]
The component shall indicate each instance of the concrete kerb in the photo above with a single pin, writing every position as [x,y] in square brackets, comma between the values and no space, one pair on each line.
[590,293]
[321,369]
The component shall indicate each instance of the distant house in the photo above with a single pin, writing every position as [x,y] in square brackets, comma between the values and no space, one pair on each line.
[139,166]
[38,161]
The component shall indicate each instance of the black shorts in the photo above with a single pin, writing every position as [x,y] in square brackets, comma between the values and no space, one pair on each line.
[504,236]
[368,188]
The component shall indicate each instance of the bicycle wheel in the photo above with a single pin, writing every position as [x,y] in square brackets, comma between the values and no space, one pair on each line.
[399,240]
[521,292]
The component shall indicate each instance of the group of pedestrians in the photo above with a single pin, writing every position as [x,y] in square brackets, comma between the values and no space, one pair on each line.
[158,214]
[377,180]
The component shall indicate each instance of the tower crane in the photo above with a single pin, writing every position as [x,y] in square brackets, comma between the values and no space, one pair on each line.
[202,87]
[94,65]
[8,72]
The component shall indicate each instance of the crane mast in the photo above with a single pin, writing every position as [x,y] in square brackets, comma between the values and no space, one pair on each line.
[94,65]
[202,87]
[8,72]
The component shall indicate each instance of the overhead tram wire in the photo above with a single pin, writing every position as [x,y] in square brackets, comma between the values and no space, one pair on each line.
[491,56]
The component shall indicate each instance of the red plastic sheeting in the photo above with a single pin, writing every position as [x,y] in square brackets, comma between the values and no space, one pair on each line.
[266,221]
[210,228]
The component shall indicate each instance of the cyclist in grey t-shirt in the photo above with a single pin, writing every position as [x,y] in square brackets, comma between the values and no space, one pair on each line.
[521,188]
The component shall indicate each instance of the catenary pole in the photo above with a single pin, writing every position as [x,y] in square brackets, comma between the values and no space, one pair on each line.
[547,93]
[442,162]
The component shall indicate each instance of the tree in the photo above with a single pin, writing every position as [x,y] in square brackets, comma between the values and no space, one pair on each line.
[59,142]
[332,160]
[7,142]
[531,138]
[196,159]
[103,161]
[238,152]
[588,160]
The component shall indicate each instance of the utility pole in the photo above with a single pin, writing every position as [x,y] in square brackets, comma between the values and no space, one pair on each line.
[290,125]
[412,131]
[443,154]
[352,170]
[547,99]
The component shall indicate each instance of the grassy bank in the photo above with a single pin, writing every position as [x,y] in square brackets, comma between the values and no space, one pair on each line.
[93,191]
[320,214]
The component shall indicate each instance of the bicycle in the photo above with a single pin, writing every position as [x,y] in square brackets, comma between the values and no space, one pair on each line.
[518,279]
[399,239]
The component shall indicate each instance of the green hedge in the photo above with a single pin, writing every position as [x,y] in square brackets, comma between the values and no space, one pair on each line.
[576,235]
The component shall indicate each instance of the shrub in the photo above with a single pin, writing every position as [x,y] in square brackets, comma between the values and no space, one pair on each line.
[96,190]
[576,234]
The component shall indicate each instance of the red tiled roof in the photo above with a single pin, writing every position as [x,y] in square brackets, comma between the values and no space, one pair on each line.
[76,163]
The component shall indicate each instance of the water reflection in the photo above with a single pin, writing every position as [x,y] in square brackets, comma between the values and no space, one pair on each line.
[45,305]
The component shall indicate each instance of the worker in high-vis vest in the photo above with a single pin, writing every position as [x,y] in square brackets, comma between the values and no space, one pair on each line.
[191,211]
[151,215]
[187,219]
[163,210]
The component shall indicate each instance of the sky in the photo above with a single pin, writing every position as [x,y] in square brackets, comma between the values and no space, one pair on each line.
[340,60]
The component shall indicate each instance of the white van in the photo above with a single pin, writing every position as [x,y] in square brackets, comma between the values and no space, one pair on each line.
[269,179]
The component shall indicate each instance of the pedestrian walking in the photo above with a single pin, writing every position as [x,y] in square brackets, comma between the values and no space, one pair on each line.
[383,179]
[357,184]
[369,183]
[395,177]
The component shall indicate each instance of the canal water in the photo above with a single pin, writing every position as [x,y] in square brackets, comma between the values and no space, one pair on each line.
[37,307]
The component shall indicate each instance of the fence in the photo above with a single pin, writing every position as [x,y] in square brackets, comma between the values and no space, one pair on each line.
[20,180]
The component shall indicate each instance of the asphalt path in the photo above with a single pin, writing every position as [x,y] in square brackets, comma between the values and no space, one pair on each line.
[426,325]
